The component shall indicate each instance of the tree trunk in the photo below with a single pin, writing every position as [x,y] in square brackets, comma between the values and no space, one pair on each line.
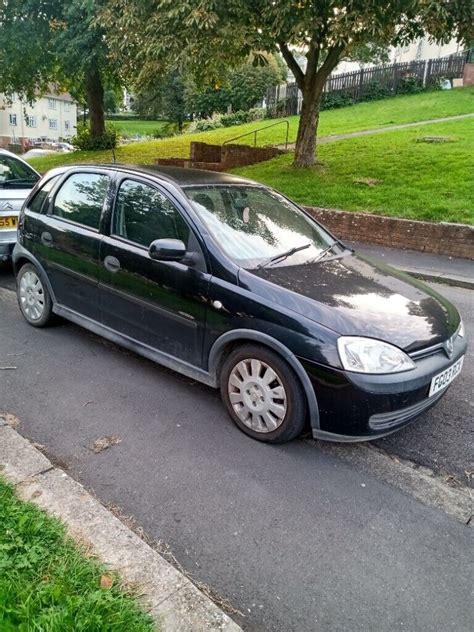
[95,101]
[305,148]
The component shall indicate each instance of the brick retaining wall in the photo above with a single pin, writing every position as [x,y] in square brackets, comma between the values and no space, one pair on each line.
[221,157]
[455,240]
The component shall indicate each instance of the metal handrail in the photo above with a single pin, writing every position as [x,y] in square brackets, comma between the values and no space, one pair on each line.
[259,129]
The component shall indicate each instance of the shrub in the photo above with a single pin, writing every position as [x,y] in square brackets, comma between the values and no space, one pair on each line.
[166,130]
[410,85]
[333,100]
[374,91]
[206,124]
[256,114]
[85,141]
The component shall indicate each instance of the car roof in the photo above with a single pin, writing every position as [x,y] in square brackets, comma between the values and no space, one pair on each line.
[180,176]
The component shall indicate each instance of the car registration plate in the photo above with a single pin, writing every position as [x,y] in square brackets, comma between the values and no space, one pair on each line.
[444,378]
[7,223]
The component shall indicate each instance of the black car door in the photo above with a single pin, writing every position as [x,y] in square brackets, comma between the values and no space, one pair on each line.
[68,239]
[161,304]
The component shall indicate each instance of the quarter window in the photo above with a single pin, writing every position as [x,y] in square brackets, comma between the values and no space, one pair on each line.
[143,214]
[81,198]
[37,202]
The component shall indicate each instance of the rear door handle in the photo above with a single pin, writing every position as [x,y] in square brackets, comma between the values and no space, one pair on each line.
[47,239]
[112,264]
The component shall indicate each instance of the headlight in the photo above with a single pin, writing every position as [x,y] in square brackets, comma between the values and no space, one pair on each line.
[461,329]
[366,355]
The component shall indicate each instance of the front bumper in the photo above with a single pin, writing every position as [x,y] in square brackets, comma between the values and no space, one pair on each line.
[360,407]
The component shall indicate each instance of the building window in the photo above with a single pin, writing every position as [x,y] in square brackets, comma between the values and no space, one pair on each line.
[12,119]
[53,123]
[30,120]
[67,125]
[52,104]
[67,106]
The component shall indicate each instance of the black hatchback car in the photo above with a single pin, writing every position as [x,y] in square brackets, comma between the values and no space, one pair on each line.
[232,284]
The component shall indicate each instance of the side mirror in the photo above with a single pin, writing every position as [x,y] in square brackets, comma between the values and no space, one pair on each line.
[167,250]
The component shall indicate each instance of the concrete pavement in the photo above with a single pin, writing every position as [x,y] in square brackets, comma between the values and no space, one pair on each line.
[428,267]
[322,140]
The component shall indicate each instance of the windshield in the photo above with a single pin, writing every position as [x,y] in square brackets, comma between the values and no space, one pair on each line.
[255,226]
[14,173]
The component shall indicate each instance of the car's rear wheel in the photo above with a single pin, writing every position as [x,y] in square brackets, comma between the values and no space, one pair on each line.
[33,297]
[262,394]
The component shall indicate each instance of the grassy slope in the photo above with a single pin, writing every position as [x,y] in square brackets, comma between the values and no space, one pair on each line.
[137,127]
[431,181]
[358,117]
[47,584]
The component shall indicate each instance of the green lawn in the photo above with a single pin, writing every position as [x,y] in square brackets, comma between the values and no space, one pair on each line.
[417,180]
[362,116]
[138,127]
[48,585]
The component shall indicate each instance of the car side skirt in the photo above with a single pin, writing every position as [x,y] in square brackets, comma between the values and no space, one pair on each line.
[159,357]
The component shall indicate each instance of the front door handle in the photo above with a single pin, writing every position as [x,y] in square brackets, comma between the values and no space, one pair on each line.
[112,264]
[47,239]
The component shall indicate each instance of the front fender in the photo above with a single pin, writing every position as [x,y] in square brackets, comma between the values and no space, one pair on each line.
[246,335]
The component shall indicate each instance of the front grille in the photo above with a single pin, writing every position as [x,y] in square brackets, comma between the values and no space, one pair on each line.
[428,351]
[386,421]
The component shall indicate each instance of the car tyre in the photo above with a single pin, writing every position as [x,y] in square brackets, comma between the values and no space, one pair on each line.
[33,297]
[262,394]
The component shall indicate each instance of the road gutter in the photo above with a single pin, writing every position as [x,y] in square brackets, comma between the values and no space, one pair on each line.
[170,597]
[433,490]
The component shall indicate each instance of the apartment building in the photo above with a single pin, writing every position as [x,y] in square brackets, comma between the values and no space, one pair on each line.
[51,117]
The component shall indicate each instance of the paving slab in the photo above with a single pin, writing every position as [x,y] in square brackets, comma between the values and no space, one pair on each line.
[169,596]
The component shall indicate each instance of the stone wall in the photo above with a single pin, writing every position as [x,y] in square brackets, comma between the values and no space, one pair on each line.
[455,240]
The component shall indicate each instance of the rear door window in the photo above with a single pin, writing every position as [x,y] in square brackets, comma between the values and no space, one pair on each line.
[81,199]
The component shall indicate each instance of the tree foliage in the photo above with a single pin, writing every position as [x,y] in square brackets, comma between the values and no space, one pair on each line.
[210,34]
[59,42]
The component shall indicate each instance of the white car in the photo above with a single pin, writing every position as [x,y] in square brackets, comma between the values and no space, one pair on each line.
[17,179]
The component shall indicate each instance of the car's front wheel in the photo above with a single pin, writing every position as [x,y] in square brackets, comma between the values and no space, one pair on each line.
[33,297]
[262,394]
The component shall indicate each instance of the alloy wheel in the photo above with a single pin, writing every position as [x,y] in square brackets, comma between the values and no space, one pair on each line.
[32,297]
[257,395]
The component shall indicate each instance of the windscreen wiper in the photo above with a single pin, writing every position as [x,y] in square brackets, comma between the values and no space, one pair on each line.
[30,180]
[283,255]
[324,252]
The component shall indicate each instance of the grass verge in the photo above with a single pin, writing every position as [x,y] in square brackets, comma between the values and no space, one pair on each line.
[390,174]
[397,110]
[47,584]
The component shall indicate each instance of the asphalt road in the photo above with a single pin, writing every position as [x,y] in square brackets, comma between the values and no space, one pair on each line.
[292,536]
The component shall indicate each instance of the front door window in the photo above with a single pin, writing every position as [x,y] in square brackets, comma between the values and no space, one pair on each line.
[143,214]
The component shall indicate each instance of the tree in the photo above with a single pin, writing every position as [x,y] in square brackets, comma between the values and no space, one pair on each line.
[59,42]
[165,97]
[240,88]
[208,34]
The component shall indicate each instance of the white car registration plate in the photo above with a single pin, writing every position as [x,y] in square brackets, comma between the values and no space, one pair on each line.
[444,378]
